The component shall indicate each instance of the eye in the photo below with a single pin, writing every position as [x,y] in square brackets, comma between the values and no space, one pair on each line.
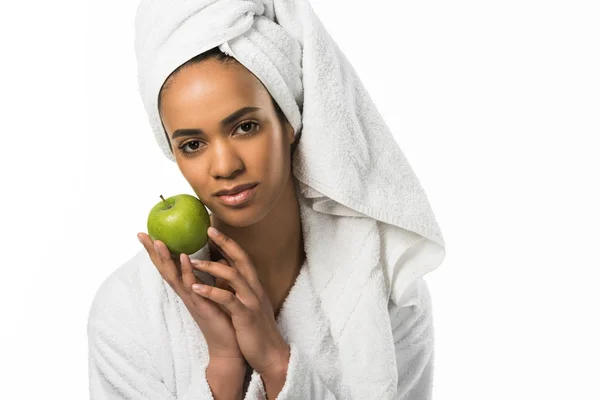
[194,145]
[244,126]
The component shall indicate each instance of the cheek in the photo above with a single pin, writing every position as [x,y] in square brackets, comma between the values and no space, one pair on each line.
[191,169]
[196,174]
[271,156]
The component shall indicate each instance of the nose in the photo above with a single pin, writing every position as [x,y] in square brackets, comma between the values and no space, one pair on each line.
[226,162]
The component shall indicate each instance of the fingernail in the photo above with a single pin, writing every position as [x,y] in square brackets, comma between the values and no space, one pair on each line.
[196,287]
[156,248]
[212,231]
[140,239]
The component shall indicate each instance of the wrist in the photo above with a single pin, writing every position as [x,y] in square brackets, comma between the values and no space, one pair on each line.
[227,366]
[226,377]
[278,369]
[275,376]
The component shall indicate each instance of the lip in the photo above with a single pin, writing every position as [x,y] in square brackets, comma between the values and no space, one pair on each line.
[235,190]
[238,198]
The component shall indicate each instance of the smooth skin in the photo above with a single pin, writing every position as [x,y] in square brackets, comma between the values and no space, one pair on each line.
[260,249]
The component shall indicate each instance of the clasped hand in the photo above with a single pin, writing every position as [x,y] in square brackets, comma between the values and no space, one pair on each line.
[250,315]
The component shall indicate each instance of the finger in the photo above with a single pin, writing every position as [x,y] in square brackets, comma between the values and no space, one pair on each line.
[233,276]
[228,300]
[174,258]
[168,268]
[239,257]
[222,283]
[220,251]
[187,271]
[149,246]
[230,249]
[188,280]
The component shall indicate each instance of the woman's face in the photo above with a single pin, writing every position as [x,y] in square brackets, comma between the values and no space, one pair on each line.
[214,152]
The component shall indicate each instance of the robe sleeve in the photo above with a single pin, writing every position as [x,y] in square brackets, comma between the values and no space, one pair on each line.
[301,382]
[119,365]
[412,330]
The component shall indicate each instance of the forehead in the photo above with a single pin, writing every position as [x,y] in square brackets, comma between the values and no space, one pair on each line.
[212,85]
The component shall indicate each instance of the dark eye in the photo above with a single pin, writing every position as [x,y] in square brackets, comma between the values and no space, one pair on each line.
[246,128]
[193,146]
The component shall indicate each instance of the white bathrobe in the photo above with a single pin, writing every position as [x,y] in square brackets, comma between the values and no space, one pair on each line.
[358,320]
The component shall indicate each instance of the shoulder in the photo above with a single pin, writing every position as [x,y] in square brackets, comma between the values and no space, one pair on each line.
[119,296]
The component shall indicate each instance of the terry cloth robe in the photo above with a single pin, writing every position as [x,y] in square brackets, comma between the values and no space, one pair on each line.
[351,336]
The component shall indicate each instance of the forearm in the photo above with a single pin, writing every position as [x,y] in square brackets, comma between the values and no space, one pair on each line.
[226,380]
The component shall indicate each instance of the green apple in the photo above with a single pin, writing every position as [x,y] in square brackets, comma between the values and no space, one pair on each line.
[181,222]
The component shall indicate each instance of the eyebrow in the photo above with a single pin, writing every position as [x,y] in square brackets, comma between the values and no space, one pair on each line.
[226,121]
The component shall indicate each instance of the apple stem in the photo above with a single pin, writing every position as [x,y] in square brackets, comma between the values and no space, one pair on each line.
[163,199]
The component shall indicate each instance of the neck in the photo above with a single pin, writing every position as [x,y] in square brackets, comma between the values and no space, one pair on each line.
[275,243]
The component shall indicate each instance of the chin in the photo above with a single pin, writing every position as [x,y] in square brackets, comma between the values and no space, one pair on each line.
[241,218]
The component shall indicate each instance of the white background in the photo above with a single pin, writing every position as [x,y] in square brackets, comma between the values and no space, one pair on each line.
[495,104]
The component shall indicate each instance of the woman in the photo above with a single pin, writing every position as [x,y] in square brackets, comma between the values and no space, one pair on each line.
[316,294]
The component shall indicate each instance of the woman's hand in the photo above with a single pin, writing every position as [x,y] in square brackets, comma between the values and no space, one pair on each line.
[250,308]
[212,319]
